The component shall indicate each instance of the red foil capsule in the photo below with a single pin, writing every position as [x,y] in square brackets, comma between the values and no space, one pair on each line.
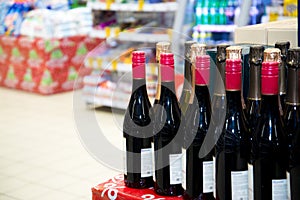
[167,67]
[138,64]
[269,78]
[233,74]
[202,70]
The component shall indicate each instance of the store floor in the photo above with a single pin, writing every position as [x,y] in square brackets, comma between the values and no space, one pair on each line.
[41,154]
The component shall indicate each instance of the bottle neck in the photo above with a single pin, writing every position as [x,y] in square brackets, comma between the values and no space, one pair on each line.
[255,82]
[138,71]
[233,99]
[220,79]
[167,87]
[270,103]
[293,87]
[187,75]
[282,76]
[138,84]
[201,92]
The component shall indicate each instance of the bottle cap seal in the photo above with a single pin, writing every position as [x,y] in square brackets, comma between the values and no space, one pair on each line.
[202,70]
[197,50]
[269,78]
[187,49]
[272,55]
[167,67]
[256,54]
[162,47]
[138,64]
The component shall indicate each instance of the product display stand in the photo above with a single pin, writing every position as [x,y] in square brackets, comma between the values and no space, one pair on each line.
[114,189]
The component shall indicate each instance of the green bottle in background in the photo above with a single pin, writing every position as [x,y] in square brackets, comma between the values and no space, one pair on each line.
[205,12]
[221,14]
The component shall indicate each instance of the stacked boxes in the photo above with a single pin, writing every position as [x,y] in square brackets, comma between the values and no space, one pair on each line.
[44,66]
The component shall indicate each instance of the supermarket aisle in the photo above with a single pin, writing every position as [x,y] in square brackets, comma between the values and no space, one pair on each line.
[41,156]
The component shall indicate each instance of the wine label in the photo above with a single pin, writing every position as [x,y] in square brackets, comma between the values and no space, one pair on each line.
[279,189]
[250,182]
[153,161]
[288,179]
[239,185]
[124,156]
[214,177]
[184,168]
[175,168]
[208,182]
[146,162]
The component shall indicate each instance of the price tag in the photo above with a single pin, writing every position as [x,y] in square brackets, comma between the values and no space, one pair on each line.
[90,61]
[108,4]
[117,31]
[99,63]
[114,65]
[141,5]
[107,32]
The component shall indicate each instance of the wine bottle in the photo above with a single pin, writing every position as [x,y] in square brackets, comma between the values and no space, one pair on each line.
[168,138]
[199,171]
[219,99]
[283,46]
[137,131]
[292,120]
[187,84]
[233,146]
[269,146]
[254,97]
[254,100]
[161,47]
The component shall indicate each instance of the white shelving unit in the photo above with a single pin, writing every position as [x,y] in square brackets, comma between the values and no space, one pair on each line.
[100,91]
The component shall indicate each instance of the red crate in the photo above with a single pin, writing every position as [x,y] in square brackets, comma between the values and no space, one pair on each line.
[114,189]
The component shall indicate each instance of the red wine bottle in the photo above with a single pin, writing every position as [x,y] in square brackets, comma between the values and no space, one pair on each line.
[168,139]
[233,146]
[188,77]
[137,129]
[269,146]
[219,99]
[161,47]
[292,120]
[199,171]
[254,100]
[283,46]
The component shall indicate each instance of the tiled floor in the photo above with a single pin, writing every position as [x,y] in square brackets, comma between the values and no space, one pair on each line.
[41,155]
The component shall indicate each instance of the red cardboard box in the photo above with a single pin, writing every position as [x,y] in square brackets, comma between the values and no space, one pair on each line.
[114,189]
[44,66]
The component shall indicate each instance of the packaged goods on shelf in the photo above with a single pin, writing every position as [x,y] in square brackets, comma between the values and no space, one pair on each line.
[46,23]
[44,66]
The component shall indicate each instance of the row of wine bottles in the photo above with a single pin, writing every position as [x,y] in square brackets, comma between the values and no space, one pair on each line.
[219,149]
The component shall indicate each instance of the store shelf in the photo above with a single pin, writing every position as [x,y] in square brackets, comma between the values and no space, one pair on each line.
[100,64]
[129,36]
[215,28]
[134,7]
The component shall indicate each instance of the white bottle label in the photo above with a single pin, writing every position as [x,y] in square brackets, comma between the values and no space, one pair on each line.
[175,168]
[124,156]
[184,168]
[250,182]
[279,189]
[208,182]
[153,161]
[146,162]
[214,177]
[239,185]
[288,185]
